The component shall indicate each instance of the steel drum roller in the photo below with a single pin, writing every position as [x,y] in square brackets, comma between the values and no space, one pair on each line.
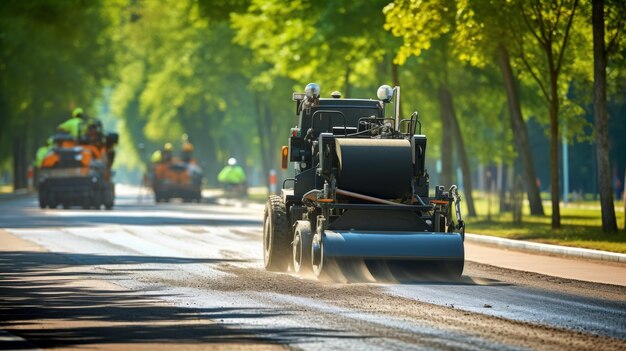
[375,167]
[384,169]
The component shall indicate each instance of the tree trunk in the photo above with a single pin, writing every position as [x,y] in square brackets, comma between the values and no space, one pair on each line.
[446,98]
[272,146]
[263,138]
[554,154]
[520,133]
[346,82]
[20,165]
[446,143]
[609,223]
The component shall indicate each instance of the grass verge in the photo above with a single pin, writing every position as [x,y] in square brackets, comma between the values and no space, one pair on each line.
[580,226]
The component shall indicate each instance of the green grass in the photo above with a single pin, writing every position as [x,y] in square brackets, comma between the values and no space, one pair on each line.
[580,225]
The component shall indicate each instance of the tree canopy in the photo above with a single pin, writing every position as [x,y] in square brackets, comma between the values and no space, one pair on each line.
[222,74]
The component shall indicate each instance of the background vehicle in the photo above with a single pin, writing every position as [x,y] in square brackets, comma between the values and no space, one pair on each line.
[176,179]
[77,175]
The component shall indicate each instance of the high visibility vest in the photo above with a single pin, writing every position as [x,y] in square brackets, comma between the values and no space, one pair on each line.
[232,175]
[156,157]
[41,154]
[72,126]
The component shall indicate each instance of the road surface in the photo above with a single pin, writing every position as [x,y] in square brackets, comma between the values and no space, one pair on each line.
[190,276]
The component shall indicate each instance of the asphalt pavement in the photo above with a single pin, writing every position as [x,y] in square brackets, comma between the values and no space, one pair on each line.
[190,276]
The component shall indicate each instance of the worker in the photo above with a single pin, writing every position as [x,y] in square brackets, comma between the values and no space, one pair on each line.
[163,155]
[43,151]
[166,153]
[232,174]
[156,157]
[93,140]
[93,134]
[187,154]
[73,125]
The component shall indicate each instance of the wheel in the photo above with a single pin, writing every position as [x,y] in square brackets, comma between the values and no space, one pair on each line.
[108,196]
[276,238]
[42,199]
[87,200]
[324,267]
[302,240]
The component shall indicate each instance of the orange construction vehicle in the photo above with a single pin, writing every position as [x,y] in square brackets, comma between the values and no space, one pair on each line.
[172,177]
[78,174]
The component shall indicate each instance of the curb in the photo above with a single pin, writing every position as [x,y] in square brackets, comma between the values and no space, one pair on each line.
[547,249]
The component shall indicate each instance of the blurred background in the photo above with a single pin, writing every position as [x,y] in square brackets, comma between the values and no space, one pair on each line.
[499,86]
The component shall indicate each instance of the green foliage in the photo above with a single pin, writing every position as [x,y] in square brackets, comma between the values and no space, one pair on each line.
[223,72]
[338,45]
[54,54]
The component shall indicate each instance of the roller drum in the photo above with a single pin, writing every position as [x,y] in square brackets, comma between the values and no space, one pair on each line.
[396,255]
[380,168]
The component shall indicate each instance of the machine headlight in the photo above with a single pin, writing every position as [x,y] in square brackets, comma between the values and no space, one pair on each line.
[385,93]
[78,157]
[312,90]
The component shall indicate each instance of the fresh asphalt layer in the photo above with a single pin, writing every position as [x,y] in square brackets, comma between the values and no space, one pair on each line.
[191,275]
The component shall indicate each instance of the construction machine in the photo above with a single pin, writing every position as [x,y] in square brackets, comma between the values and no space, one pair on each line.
[176,179]
[73,174]
[359,205]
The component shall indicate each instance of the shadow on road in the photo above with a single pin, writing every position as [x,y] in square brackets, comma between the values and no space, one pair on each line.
[24,213]
[42,301]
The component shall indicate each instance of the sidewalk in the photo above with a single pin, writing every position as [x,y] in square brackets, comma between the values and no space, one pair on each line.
[553,260]
[534,259]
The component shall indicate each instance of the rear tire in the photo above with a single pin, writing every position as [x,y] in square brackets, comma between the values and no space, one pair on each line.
[276,238]
[302,241]
[109,196]
[42,199]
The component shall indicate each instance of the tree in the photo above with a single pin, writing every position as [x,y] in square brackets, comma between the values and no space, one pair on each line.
[600,52]
[436,23]
[52,55]
[549,24]
[480,40]
[181,74]
[296,43]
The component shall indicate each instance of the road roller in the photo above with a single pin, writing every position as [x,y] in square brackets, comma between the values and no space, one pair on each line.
[359,205]
[74,174]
